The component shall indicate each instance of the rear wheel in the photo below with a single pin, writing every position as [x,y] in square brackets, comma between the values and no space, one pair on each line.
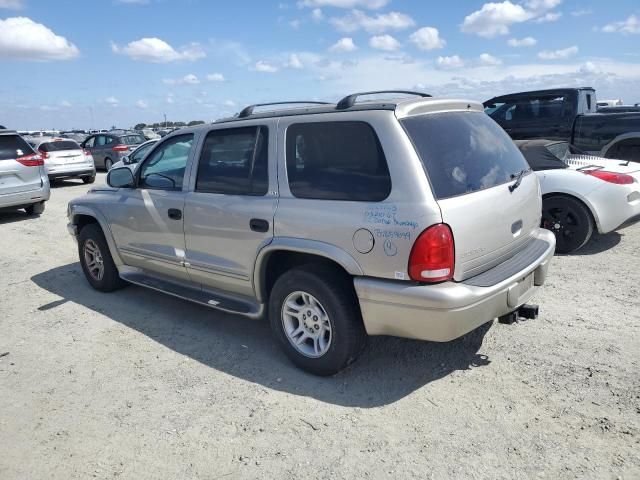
[95,258]
[569,220]
[108,163]
[89,179]
[35,208]
[315,317]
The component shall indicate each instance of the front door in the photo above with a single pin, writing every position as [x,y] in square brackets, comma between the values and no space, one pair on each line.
[229,211]
[148,221]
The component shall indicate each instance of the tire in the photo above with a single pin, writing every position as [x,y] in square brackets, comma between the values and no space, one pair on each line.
[35,208]
[91,239]
[108,163]
[88,179]
[330,298]
[569,220]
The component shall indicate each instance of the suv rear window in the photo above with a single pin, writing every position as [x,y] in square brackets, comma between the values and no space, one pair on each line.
[336,161]
[463,152]
[12,147]
[58,146]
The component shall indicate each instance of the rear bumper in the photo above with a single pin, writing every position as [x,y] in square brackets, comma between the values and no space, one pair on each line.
[446,311]
[73,170]
[25,198]
[616,206]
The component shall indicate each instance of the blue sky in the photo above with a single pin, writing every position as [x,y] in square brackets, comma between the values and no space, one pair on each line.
[81,64]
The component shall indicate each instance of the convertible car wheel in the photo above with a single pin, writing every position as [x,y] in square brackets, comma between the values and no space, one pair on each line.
[569,220]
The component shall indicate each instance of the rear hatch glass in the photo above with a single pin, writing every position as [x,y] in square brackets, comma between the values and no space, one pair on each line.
[12,147]
[470,162]
[59,146]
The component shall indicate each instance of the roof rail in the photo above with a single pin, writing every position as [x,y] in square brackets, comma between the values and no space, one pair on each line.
[248,111]
[350,100]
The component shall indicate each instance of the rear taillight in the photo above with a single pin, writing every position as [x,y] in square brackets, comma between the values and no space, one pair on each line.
[120,148]
[87,153]
[33,160]
[432,257]
[43,154]
[611,177]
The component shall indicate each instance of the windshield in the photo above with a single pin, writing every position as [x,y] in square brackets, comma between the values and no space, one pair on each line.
[463,152]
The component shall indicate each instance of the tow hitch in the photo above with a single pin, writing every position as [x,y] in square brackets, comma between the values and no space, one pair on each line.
[525,312]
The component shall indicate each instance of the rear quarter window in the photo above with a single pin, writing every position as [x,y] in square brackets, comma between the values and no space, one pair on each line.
[12,147]
[463,152]
[336,161]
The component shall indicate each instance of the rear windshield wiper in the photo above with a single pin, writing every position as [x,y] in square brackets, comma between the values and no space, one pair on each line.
[518,178]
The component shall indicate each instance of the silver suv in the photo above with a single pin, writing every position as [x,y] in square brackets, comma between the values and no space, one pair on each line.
[417,218]
[23,178]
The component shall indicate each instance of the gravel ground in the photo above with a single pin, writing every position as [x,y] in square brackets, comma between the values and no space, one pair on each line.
[138,385]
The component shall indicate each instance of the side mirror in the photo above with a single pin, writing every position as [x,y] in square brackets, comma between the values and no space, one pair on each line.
[121,178]
[126,160]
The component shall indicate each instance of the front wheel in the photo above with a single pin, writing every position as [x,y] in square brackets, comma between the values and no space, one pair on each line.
[95,258]
[569,220]
[315,316]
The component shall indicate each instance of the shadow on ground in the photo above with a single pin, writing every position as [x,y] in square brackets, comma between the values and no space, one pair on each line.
[389,369]
[14,215]
[599,243]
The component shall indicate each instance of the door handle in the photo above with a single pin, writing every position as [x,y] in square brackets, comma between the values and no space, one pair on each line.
[175,214]
[259,225]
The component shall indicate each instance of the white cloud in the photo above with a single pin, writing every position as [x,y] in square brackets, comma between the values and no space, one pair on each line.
[343,45]
[317,14]
[369,4]
[142,104]
[189,79]
[379,23]
[581,12]
[12,4]
[558,54]
[487,59]
[229,103]
[266,67]
[295,24]
[66,104]
[295,62]
[522,42]
[113,101]
[384,42]
[155,50]
[495,18]
[215,77]
[451,62]
[427,38]
[169,100]
[548,17]
[629,26]
[23,39]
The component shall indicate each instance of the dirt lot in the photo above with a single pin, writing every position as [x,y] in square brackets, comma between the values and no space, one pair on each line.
[140,385]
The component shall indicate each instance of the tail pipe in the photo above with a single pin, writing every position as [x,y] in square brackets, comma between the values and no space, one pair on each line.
[526,312]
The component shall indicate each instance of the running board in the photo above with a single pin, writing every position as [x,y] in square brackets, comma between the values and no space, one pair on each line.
[208,298]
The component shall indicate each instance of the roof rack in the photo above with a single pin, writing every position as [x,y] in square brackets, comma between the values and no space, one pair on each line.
[247,111]
[350,100]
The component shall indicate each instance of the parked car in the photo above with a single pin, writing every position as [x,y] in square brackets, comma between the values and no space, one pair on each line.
[582,193]
[417,218]
[75,136]
[109,148]
[136,156]
[150,134]
[23,179]
[568,114]
[64,158]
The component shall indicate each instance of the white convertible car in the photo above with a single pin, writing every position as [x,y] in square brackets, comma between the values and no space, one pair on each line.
[581,193]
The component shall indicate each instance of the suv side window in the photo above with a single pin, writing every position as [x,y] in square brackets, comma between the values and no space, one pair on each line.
[164,168]
[336,161]
[234,162]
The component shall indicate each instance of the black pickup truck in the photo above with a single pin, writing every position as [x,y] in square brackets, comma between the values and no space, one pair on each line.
[568,114]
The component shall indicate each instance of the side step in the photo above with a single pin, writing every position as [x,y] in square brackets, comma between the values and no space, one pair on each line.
[208,298]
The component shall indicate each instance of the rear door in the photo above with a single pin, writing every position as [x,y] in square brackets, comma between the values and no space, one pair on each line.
[17,177]
[230,208]
[471,163]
